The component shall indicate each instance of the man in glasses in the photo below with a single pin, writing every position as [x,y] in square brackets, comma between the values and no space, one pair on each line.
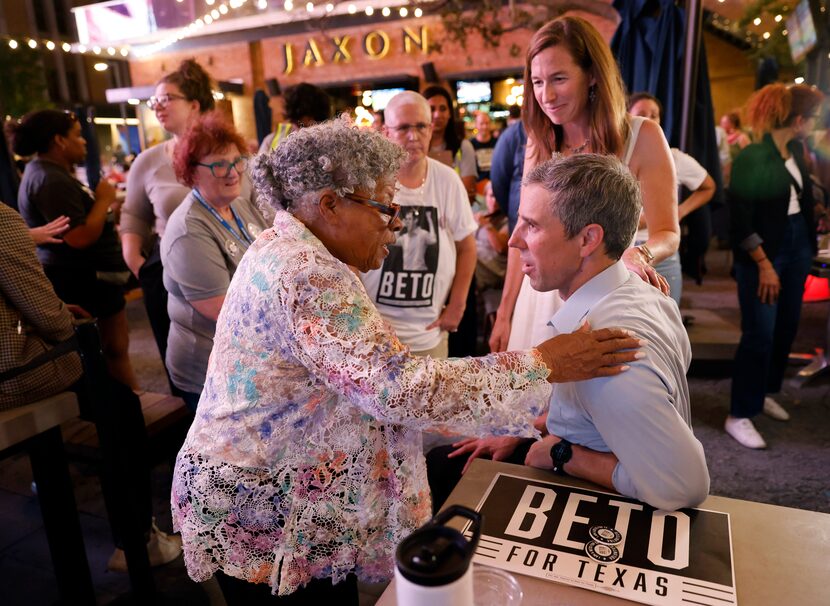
[421,289]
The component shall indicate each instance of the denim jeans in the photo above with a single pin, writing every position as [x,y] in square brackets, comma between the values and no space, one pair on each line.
[670,269]
[768,330]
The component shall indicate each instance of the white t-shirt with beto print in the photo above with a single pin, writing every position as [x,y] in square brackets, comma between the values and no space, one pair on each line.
[412,286]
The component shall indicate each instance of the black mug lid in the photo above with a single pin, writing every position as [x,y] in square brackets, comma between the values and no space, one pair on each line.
[435,554]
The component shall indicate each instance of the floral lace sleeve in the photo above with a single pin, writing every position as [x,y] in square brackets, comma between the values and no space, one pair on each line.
[336,333]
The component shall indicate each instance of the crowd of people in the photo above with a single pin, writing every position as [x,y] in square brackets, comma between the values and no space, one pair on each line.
[323,304]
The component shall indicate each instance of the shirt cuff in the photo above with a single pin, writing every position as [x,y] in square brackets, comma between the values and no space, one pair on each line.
[751,242]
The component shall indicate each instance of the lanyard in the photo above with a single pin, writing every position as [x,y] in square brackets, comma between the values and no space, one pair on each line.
[247,237]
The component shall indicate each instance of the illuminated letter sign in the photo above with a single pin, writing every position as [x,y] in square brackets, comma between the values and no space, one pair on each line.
[379,39]
[410,37]
[341,53]
[312,54]
[288,51]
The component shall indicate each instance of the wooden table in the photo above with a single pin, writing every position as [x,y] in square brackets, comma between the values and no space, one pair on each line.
[781,555]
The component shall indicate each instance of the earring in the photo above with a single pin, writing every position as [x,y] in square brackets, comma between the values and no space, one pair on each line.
[592,94]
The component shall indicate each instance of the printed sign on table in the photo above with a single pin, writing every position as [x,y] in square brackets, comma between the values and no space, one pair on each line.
[607,543]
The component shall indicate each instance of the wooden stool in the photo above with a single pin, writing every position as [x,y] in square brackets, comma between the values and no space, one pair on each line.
[35,428]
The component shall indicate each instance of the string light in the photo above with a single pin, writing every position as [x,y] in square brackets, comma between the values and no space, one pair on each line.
[50,45]
[13,44]
[369,11]
[418,13]
[209,18]
[32,44]
[386,12]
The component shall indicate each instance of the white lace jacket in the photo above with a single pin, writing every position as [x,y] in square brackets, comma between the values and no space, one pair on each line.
[304,460]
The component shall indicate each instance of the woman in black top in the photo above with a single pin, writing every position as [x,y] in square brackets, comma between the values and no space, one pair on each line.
[86,268]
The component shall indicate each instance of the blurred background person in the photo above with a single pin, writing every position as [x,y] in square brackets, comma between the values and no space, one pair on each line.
[153,192]
[491,262]
[378,120]
[85,266]
[578,106]
[773,236]
[690,174]
[506,170]
[305,104]
[448,144]
[205,239]
[483,143]
[736,140]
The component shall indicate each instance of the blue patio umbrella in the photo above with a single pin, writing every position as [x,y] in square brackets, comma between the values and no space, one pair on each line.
[649,47]
[262,115]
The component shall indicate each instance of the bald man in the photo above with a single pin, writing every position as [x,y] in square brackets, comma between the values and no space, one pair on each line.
[424,301]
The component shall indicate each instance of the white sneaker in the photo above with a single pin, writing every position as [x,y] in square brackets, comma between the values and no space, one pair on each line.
[744,432]
[774,410]
[161,549]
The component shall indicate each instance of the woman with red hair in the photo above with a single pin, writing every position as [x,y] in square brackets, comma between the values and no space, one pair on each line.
[773,235]
[203,243]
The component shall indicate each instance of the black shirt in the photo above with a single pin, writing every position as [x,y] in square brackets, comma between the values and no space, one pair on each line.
[484,156]
[48,191]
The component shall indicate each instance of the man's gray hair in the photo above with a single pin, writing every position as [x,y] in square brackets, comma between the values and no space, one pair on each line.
[332,155]
[592,188]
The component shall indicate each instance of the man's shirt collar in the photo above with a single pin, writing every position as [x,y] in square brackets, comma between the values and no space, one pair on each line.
[573,311]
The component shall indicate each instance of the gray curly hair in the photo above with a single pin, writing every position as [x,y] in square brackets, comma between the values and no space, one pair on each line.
[331,155]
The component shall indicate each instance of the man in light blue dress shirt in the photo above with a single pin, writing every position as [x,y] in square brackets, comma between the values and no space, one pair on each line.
[631,432]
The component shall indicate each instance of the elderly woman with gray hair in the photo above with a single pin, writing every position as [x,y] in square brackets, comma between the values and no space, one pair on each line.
[303,468]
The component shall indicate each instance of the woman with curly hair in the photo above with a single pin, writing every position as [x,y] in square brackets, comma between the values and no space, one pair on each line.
[205,239]
[303,469]
[773,234]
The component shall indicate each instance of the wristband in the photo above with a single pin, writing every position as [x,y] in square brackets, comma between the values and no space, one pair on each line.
[646,252]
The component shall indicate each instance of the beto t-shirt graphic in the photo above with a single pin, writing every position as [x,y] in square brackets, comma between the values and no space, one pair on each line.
[407,277]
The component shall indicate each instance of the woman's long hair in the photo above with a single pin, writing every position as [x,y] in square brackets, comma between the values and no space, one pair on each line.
[609,122]
[778,105]
[451,138]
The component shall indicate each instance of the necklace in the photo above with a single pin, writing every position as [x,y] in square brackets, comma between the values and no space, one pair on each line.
[579,148]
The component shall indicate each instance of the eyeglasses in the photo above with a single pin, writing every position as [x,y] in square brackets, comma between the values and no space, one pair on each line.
[402,129]
[162,101]
[390,210]
[222,168]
